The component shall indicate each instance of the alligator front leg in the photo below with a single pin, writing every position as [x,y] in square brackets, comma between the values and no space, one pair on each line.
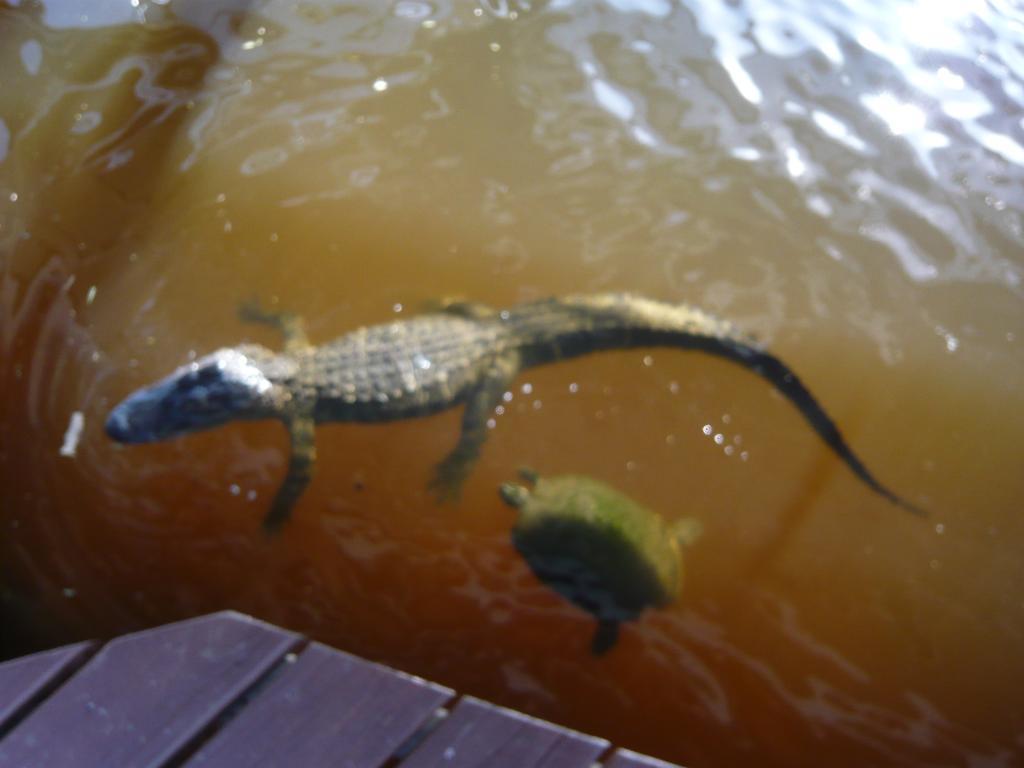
[291,326]
[301,430]
[494,382]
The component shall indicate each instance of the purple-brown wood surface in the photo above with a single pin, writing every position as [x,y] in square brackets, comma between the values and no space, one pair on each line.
[625,758]
[144,697]
[226,690]
[479,734]
[24,681]
[325,708]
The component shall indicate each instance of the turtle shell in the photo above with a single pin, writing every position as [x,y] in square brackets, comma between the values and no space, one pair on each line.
[596,547]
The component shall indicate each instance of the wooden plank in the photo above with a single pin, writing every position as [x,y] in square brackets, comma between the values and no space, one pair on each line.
[144,697]
[327,708]
[627,758]
[24,681]
[479,734]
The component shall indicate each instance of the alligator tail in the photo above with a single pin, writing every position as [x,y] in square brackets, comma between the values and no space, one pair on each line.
[770,368]
[619,321]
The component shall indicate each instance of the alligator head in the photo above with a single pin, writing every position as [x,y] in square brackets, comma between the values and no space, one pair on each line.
[232,383]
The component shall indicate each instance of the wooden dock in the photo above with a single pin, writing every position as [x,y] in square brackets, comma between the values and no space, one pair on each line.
[228,690]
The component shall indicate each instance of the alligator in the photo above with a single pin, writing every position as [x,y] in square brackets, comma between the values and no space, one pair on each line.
[460,353]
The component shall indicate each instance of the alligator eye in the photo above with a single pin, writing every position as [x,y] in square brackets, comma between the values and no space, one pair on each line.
[199,377]
[208,375]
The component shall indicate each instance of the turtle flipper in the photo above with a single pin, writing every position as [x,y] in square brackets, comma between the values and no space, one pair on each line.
[605,636]
[686,530]
[529,474]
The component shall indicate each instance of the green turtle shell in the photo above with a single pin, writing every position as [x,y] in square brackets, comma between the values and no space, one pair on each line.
[599,549]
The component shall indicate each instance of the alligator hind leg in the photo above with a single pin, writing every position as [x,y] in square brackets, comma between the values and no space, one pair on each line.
[291,326]
[454,305]
[301,430]
[452,471]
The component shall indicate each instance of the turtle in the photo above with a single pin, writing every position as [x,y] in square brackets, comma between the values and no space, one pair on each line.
[598,548]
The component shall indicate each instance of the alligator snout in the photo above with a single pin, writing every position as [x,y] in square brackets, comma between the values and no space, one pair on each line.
[125,426]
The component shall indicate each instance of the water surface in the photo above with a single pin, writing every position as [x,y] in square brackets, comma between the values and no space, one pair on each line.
[842,181]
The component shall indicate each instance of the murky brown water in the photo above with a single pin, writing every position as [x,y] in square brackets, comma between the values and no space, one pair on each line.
[844,182]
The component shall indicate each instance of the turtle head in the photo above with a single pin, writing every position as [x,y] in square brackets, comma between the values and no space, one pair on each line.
[514,495]
[228,384]
[517,495]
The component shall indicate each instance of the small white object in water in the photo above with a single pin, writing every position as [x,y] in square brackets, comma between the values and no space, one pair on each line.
[72,435]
